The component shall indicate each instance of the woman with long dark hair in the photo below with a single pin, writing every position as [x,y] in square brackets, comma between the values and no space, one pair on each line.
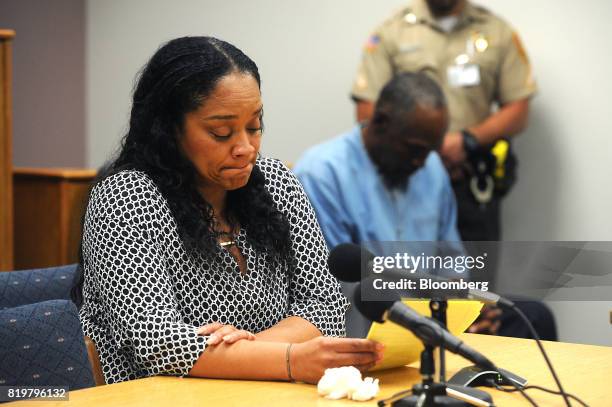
[199,257]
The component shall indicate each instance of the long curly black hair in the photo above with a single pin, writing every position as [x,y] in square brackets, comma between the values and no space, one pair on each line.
[176,81]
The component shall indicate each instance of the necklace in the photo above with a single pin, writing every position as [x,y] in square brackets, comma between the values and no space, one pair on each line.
[226,243]
[224,232]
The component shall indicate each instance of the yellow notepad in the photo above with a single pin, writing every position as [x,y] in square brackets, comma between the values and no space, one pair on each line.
[402,347]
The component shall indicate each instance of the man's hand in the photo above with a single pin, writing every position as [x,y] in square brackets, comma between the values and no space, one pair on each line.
[488,322]
[453,151]
[224,333]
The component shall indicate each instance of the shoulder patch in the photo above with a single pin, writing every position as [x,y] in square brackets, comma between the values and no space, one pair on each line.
[372,43]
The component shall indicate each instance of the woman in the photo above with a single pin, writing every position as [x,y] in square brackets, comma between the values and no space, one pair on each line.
[200,257]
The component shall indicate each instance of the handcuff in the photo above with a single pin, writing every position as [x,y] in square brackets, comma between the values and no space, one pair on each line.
[482,164]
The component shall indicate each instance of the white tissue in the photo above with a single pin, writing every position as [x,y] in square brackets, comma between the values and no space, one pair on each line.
[346,382]
[366,391]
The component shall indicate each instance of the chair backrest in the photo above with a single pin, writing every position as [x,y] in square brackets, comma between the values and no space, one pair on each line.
[94,361]
[42,344]
[35,285]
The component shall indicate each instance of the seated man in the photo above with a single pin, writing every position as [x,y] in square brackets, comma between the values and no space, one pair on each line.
[384,181]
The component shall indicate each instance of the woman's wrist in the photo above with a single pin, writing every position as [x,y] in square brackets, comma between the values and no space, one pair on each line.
[245,360]
[288,362]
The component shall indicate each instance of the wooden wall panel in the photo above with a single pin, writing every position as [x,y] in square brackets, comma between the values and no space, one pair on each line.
[6,152]
[49,206]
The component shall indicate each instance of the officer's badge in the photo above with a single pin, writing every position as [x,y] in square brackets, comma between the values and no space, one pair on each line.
[480,42]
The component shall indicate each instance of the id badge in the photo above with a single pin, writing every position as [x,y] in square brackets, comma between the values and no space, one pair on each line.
[463,75]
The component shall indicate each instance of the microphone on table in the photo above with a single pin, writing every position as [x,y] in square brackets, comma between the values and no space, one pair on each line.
[348,262]
[426,329]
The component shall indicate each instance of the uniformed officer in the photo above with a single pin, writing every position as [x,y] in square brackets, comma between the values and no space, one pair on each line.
[485,74]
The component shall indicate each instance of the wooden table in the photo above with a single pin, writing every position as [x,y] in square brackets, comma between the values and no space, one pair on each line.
[584,370]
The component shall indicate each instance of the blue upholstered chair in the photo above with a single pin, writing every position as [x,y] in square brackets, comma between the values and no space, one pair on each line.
[36,285]
[42,344]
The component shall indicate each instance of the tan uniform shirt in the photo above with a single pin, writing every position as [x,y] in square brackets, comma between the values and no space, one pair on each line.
[412,41]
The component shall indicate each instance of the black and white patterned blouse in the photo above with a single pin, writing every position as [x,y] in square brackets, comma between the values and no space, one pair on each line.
[145,295]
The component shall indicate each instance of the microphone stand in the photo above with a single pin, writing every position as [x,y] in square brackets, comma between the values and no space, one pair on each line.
[433,394]
[438,312]
[429,393]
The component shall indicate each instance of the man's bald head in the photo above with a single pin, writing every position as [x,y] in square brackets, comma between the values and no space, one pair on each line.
[410,119]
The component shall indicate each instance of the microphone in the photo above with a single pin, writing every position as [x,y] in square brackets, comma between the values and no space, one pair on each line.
[426,329]
[348,262]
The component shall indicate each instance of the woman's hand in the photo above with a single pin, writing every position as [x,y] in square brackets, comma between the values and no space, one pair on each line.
[224,333]
[310,359]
